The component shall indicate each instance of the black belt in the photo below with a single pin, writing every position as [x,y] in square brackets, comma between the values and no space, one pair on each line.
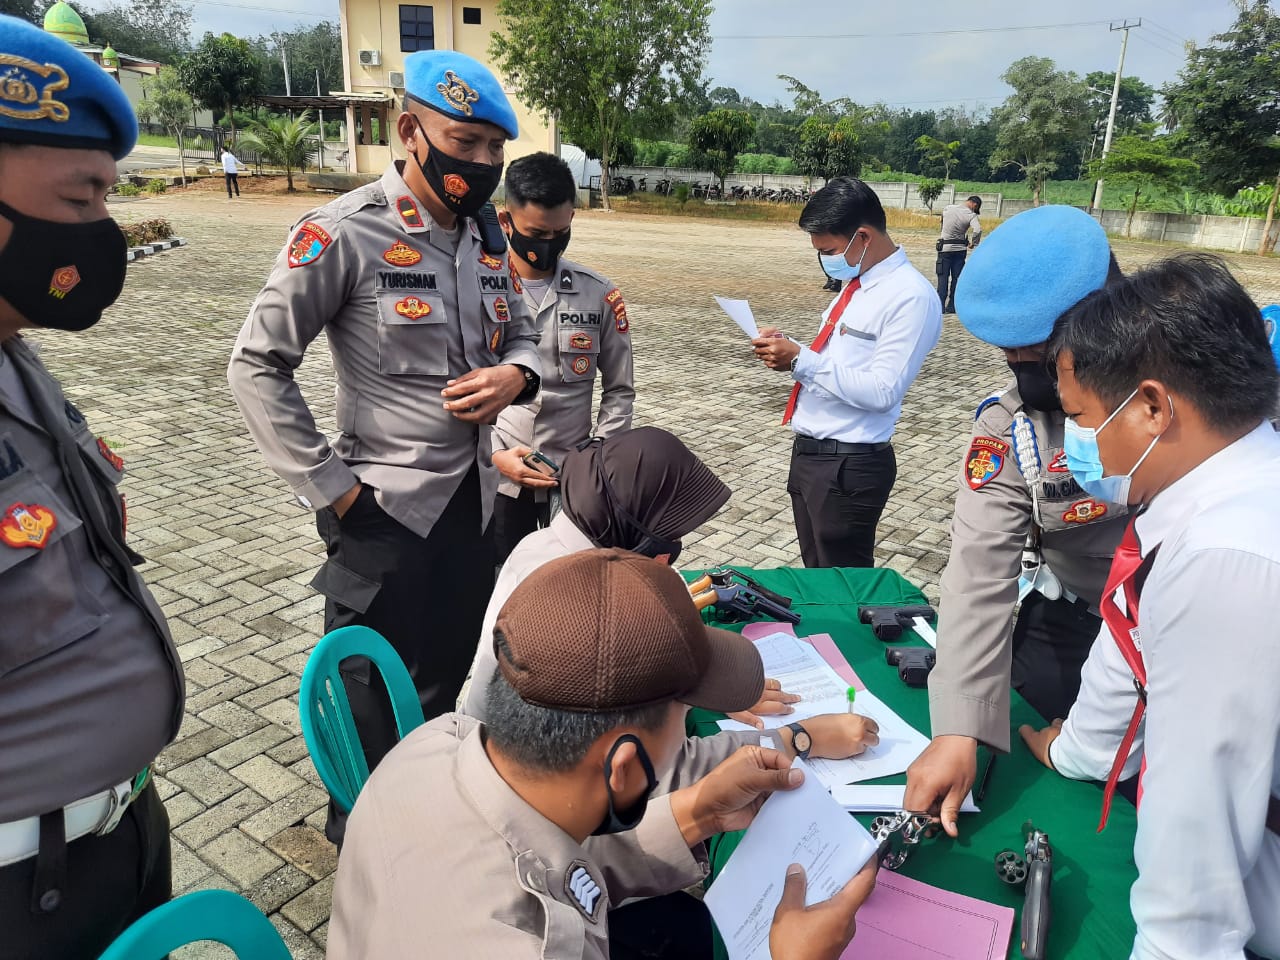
[811,445]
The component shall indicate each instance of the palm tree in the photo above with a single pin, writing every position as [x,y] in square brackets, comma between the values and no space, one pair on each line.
[283,142]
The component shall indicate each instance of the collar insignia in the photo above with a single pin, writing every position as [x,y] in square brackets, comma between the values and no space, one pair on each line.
[458,93]
[582,889]
[27,89]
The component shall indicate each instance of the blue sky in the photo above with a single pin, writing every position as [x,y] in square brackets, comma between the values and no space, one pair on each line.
[921,71]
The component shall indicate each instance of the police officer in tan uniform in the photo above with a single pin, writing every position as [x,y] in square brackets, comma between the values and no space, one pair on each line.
[430,342]
[585,338]
[513,839]
[91,688]
[1023,529]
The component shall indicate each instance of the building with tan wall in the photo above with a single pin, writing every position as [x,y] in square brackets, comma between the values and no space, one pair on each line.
[376,37]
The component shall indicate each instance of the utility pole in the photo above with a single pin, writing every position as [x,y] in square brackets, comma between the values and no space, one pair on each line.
[1125,27]
[320,113]
[284,60]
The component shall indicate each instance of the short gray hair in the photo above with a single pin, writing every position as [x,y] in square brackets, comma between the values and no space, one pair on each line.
[549,740]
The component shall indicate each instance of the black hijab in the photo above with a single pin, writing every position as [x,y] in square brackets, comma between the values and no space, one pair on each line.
[654,477]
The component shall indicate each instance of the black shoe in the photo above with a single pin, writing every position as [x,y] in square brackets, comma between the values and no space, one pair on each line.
[832,284]
[949,308]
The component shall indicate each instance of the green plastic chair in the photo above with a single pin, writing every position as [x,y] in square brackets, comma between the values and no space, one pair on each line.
[218,915]
[327,724]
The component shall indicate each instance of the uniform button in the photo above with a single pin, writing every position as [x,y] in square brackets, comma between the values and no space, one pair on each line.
[50,900]
[535,881]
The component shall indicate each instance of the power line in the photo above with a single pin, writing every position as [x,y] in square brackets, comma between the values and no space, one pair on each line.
[264,9]
[1180,40]
[908,33]
[1162,47]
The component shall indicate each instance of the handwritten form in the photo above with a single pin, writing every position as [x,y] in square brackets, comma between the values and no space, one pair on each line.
[739,312]
[802,670]
[802,826]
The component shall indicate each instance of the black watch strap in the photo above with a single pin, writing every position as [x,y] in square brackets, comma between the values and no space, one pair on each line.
[801,741]
[531,384]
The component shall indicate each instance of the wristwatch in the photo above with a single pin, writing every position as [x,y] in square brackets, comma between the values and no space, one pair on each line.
[531,383]
[794,361]
[801,742]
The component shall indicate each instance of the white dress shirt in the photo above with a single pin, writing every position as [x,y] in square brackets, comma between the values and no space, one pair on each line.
[853,390]
[1208,869]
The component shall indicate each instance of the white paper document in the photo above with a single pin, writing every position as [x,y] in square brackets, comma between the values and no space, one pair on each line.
[739,312]
[800,669]
[803,826]
[879,798]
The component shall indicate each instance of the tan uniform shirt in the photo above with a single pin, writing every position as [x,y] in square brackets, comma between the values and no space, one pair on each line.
[442,858]
[91,687]
[995,510]
[957,218]
[406,306]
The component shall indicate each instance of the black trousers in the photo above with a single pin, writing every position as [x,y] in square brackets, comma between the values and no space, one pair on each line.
[949,266]
[427,596]
[1051,641]
[674,927]
[233,180]
[514,518]
[837,501]
[104,885]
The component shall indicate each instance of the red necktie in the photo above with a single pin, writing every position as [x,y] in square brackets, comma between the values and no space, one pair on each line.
[820,341]
[1123,625]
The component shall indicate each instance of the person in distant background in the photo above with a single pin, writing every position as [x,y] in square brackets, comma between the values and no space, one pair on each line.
[958,219]
[231,167]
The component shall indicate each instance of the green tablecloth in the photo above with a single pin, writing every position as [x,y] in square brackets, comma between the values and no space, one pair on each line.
[1092,872]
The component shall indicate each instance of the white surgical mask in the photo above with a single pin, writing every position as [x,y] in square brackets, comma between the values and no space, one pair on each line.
[1080,444]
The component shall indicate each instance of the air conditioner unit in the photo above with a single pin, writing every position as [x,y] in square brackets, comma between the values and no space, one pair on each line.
[396,79]
[370,58]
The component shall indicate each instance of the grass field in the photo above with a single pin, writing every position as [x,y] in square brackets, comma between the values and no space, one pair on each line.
[653,203]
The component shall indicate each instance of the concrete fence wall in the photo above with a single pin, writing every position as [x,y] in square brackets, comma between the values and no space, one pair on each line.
[1237,234]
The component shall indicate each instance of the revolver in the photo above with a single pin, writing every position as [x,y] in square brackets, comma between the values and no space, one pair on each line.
[889,620]
[735,597]
[1036,872]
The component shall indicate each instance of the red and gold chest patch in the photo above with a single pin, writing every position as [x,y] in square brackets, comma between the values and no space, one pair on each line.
[408,210]
[580,365]
[64,280]
[110,456]
[400,254]
[27,525]
[580,341]
[309,242]
[1059,463]
[984,461]
[1084,511]
[492,262]
[414,308]
[500,310]
[496,340]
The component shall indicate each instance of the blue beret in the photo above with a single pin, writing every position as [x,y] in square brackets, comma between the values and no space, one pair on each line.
[1271,317]
[1030,271]
[52,94]
[460,87]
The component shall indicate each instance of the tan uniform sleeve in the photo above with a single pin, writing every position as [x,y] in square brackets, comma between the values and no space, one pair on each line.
[969,687]
[617,371]
[290,312]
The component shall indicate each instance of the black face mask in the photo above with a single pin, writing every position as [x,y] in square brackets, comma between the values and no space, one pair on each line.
[462,186]
[620,822]
[61,275]
[539,254]
[1035,386]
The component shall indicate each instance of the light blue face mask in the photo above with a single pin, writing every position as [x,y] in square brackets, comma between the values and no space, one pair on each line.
[838,268]
[1080,444]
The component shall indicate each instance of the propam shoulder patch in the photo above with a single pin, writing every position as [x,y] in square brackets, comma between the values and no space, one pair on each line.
[308,243]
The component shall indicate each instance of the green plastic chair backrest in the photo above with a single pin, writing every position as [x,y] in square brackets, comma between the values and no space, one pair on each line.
[327,724]
[218,915]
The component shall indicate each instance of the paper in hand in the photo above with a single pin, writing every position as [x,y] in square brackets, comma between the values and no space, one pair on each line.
[739,312]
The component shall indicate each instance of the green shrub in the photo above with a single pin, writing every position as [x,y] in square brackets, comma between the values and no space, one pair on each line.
[128,190]
[156,186]
[682,193]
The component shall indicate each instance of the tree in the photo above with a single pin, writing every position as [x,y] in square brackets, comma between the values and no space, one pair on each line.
[1046,115]
[169,104]
[309,50]
[222,74]
[825,149]
[157,30]
[627,55]
[1133,109]
[283,142]
[718,137]
[938,153]
[29,10]
[1223,108]
[930,191]
[1141,163]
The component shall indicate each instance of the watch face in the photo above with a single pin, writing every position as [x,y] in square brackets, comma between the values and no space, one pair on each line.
[801,741]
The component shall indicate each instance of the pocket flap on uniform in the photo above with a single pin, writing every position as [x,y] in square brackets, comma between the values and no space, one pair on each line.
[403,309]
[579,341]
[497,307]
[345,586]
[846,330]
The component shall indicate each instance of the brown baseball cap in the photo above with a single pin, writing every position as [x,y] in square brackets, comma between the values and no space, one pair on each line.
[607,630]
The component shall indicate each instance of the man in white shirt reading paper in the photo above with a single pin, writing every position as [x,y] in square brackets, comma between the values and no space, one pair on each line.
[1167,382]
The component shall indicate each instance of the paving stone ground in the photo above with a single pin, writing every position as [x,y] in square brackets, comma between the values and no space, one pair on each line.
[231,553]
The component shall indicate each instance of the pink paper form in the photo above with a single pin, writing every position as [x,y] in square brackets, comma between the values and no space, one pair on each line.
[905,919]
[821,642]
